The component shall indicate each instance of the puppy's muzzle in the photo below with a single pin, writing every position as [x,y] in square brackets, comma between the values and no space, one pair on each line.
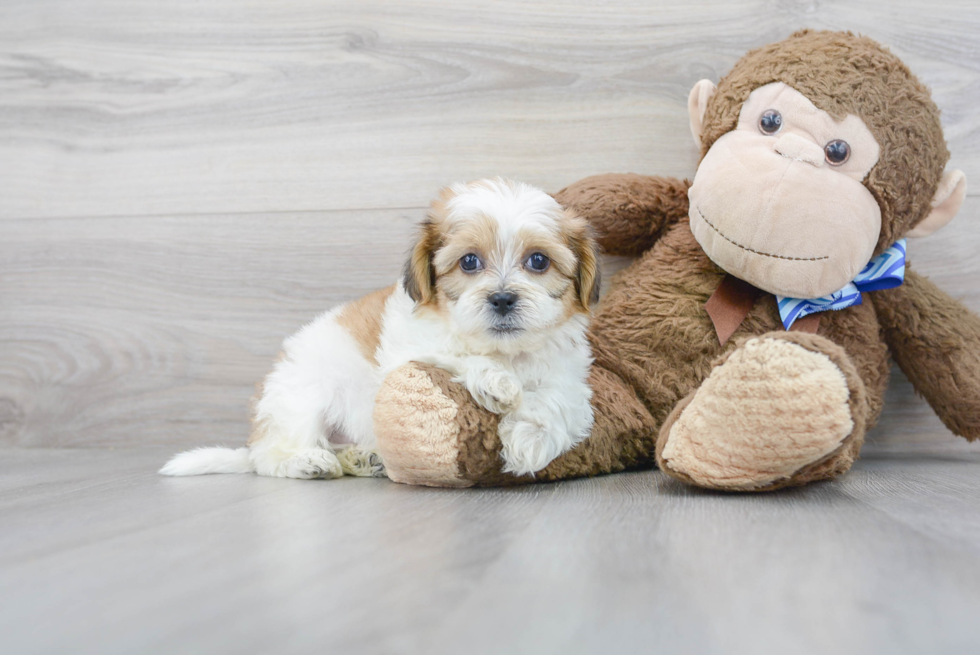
[503,302]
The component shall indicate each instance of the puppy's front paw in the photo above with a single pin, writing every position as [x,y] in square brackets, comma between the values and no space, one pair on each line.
[528,447]
[497,391]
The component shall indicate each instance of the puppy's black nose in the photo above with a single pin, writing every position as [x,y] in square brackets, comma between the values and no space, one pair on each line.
[503,302]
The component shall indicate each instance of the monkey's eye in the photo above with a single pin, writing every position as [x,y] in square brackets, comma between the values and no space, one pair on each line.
[837,152]
[470,263]
[771,121]
[538,262]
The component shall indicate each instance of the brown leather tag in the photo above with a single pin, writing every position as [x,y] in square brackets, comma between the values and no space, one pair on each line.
[809,324]
[730,304]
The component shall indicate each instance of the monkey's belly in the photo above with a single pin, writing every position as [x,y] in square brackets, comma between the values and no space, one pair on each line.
[653,331]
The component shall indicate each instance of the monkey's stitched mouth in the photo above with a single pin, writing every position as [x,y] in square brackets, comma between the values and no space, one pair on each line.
[755,252]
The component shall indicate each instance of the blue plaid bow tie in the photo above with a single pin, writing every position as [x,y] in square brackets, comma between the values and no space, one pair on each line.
[886,271]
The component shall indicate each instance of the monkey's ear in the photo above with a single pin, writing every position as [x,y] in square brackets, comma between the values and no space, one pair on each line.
[697,104]
[945,204]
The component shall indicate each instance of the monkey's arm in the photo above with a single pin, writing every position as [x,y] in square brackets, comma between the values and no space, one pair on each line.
[629,212]
[936,342]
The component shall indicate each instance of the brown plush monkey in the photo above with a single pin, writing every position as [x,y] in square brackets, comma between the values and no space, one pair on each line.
[819,153]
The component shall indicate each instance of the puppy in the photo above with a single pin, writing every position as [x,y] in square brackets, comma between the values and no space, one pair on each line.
[497,291]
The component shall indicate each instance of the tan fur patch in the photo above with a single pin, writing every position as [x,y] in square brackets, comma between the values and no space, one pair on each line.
[363,319]
[258,432]
[563,258]
[419,277]
[477,236]
[578,234]
[572,302]
[258,429]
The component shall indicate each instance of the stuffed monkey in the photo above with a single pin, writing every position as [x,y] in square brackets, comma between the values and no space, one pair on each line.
[747,348]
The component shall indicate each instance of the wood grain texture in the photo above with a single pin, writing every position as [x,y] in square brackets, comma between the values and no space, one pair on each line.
[109,107]
[100,555]
[184,184]
[156,329]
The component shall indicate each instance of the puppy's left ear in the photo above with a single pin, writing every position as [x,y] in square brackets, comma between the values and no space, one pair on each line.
[588,277]
[419,278]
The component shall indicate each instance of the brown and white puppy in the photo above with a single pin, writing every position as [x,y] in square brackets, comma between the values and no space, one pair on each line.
[497,291]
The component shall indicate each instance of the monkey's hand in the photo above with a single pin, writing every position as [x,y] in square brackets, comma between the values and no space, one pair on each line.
[629,212]
[936,342]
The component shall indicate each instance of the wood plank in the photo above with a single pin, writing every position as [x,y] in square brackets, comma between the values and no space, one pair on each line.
[186,183]
[101,555]
[114,108]
[154,330]
[800,572]
[134,311]
[936,494]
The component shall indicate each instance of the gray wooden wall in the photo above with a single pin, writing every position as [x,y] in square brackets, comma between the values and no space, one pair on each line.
[185,182]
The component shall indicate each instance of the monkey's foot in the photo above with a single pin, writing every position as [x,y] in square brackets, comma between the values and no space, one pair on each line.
[425,422]
[782,409]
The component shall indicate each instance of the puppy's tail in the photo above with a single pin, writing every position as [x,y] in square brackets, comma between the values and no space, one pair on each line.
[209,460]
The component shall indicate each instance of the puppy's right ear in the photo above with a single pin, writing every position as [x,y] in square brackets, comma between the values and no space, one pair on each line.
[580,237]
[419,278]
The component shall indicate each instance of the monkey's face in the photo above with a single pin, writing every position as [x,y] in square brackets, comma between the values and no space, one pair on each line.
[779,201]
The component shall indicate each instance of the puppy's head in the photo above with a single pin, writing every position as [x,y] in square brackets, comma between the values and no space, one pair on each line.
[504,262]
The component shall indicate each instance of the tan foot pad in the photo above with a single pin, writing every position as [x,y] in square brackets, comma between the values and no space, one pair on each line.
[770,409]
[417,429]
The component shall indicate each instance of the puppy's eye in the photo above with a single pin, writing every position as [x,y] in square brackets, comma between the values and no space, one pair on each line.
[470,263]
[538,262]
[837,152]
[771,121]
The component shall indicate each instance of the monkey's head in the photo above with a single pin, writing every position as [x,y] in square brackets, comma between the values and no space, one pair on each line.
[818,153]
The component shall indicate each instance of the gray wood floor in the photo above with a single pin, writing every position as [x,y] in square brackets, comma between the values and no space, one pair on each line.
[100,555]
[183,183]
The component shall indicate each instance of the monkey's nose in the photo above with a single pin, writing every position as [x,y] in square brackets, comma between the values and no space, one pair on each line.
[797,148]
[502,302]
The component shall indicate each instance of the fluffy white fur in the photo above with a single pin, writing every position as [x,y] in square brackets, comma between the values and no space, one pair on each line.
[530,366]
